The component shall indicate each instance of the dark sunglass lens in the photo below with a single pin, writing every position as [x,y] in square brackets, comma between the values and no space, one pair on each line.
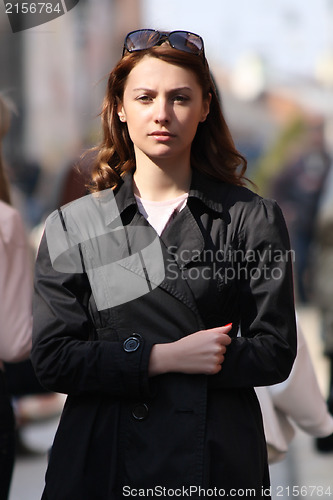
[142,39]
[188,42]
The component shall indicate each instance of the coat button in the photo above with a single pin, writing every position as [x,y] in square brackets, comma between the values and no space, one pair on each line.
[140,412]
[132,343]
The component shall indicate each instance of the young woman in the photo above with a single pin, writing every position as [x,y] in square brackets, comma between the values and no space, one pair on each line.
[163,297]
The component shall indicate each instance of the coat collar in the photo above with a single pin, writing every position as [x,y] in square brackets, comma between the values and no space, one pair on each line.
[208,190]
[204,188]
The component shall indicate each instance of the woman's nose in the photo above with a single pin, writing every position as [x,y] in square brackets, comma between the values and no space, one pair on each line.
[162,111]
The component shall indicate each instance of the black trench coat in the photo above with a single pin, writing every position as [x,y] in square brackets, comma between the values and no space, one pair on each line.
[226,259]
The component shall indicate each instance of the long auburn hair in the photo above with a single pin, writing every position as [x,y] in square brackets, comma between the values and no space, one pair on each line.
[213,150]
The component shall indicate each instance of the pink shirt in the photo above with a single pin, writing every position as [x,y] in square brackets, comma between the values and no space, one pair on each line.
[159,213]
[15,288]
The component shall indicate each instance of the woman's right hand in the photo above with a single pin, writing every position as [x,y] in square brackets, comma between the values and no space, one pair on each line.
[201,352]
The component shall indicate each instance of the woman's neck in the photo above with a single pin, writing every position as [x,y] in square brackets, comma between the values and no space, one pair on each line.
[161,182]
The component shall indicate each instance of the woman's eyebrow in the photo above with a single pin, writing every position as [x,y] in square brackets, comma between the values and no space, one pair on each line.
[142,89]
[181,89]
[176,89]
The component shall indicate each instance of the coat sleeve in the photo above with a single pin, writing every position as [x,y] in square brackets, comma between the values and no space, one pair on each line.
[65,354]
[264,351]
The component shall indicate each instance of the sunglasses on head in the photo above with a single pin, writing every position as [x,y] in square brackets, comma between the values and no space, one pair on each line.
[180,40]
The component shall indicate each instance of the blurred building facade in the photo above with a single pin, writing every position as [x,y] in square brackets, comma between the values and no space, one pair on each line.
[56,76]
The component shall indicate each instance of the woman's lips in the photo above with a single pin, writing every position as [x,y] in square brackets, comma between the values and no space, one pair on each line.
[162,135]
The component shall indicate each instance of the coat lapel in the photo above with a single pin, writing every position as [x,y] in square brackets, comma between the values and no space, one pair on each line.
[181,240]
[159,261]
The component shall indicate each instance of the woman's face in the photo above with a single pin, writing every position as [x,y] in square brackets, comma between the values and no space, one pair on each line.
[162,106]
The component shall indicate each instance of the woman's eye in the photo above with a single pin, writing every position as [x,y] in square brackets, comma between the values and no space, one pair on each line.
[180,98]
[144,98]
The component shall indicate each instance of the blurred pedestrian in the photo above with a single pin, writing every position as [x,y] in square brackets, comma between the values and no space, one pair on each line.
[323,288]
[298,189]
[141,288]
[15,308]
[294,403]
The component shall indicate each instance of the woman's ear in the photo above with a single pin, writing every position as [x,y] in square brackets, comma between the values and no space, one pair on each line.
[121,112]
[206,107]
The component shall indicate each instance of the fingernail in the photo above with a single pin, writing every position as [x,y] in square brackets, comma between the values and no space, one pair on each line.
[229,324]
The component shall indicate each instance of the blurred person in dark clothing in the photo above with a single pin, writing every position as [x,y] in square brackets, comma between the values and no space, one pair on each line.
[72,183]
[15,309]
[323,288]
[297,189]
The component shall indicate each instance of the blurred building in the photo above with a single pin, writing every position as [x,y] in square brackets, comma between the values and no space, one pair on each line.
[56,75]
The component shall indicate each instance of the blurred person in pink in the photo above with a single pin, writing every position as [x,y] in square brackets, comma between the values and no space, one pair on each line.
[295,403]
[15,309]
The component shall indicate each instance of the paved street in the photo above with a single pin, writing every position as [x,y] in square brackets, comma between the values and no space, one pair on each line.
[29,470]
[303,467]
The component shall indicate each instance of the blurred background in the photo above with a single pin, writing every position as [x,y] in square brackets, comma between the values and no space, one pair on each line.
[273,65]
